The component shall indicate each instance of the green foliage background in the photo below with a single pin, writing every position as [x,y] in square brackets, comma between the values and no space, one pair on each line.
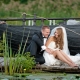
[42,8]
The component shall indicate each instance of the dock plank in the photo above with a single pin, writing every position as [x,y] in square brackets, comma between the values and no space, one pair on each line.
[54,68]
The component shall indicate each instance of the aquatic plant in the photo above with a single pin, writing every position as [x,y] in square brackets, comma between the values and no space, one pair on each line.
[5,51]
[1,48]
[23,62]
[20,61]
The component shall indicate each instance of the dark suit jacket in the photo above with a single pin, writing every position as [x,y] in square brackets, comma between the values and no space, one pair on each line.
[36,43]
[35,47]
[38,38]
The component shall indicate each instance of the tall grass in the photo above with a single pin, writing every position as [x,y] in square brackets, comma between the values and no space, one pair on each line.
[20,46]
[20,61]
[1,48]
[10,60]
[47,9]
[7,55]
[25,42]
[6,52]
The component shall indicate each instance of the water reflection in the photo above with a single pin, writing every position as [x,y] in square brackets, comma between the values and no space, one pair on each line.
[14,79]
[43,77]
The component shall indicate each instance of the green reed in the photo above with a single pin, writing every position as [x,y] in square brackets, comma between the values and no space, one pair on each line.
[20,46]
[21,61]
[26,42]
[1,48]
[5,53]
[8,63]
[10,60]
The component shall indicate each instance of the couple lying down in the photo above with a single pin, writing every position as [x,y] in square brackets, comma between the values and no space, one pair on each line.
[58,45]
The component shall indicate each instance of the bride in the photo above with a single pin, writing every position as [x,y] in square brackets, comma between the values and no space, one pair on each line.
[58,45]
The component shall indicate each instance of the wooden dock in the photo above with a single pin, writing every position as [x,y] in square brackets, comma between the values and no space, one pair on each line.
[62,68]
[57,68]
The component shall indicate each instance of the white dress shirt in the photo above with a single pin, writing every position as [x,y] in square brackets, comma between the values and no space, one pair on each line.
[44,41]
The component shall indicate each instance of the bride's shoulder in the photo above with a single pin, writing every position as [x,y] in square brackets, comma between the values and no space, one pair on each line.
[51,38]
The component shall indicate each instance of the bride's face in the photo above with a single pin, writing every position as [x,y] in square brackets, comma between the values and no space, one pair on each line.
[56,34]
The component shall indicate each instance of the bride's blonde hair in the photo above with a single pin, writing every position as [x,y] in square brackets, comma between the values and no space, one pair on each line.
[59,39]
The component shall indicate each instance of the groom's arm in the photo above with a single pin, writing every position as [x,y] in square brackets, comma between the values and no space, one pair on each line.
[37,40]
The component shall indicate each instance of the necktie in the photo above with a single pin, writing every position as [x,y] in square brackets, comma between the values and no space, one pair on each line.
[44,37]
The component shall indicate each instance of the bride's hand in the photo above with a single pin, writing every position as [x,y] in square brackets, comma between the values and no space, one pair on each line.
[49,50]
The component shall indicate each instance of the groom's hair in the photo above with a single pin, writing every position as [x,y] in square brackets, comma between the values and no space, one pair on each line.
[44,27]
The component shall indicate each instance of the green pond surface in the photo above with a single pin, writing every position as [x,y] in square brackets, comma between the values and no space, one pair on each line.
[41,76]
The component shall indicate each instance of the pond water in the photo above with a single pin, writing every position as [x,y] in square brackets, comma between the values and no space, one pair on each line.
[42,76]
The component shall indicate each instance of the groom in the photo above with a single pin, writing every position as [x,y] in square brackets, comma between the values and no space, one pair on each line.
[37,45]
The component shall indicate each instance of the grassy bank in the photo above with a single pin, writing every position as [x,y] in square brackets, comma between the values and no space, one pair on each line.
[43,8]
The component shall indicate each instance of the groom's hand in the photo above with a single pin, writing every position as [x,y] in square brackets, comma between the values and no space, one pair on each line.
[50,51]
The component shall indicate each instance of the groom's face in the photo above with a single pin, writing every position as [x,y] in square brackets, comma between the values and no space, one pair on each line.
[46,32]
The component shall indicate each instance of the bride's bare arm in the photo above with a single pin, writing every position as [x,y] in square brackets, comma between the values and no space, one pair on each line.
[47,43]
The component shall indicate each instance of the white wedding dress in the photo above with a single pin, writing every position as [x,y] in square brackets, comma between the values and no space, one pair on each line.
[51,60]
